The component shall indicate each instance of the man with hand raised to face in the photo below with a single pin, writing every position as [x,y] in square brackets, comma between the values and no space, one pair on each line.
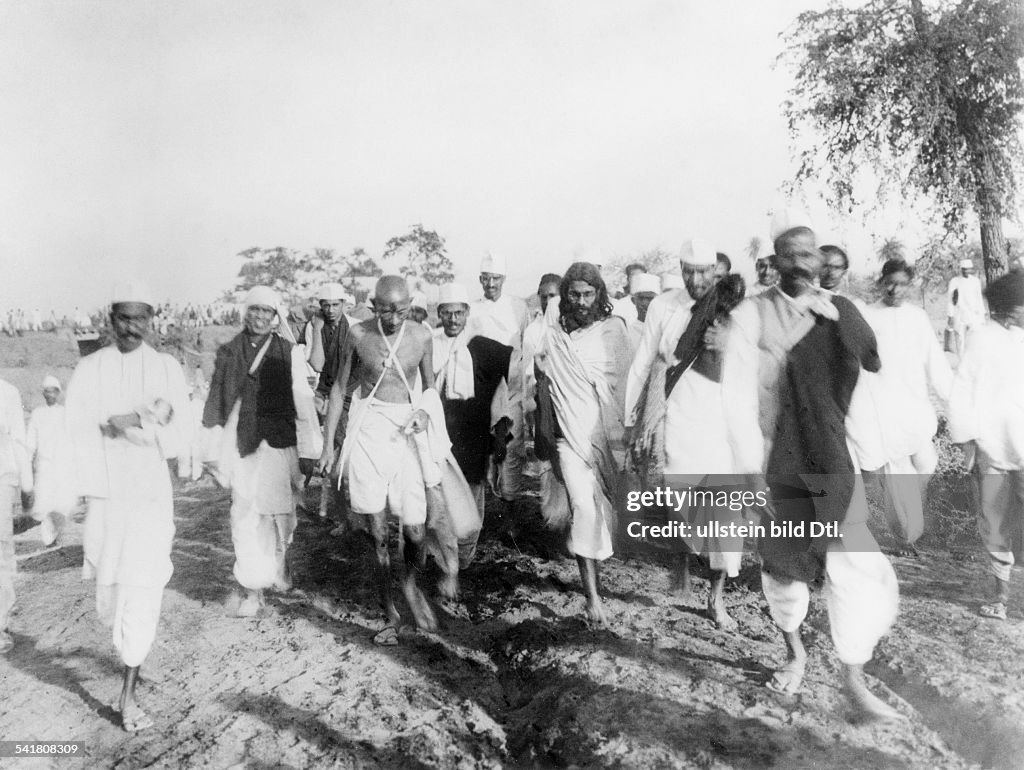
[793,356]
[380,460]
[127,416]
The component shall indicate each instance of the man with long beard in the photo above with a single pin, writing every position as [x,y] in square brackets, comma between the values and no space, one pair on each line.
[587,360]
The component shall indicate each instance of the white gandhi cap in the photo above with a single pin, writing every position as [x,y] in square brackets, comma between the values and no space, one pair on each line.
[451,294]
[494,263]
[131,291]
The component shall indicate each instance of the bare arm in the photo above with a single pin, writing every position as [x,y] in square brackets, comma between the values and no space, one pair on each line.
[317,354]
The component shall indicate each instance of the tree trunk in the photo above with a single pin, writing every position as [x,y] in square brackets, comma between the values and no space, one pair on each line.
[993,242]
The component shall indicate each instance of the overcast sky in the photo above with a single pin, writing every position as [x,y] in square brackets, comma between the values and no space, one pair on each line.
[159,139]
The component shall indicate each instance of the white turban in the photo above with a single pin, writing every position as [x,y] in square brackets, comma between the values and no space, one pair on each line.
[418,299]
[494,263]
[644,283]
[131,291]
[262,295]
[697,251]
[966,264]
[49,381]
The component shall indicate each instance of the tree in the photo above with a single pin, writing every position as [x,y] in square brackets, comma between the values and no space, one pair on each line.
[421,253]
[274,267]
[930,98]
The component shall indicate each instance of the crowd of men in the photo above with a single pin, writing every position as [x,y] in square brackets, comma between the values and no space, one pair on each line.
[791,389]
[16,321]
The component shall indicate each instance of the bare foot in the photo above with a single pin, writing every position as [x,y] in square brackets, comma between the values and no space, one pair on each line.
[866,705]
[448,587]
[595,613]
[787,680]
[250,606]
[134,718]
[682,584]
[721,618]
[421,610]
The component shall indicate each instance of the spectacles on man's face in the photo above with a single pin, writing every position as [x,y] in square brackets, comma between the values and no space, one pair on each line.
[453,315]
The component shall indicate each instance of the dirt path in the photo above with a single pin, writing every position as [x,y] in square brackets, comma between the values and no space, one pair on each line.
[513,677]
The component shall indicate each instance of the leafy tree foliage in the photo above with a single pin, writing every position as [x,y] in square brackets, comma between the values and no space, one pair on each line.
[421,254]
[929,96]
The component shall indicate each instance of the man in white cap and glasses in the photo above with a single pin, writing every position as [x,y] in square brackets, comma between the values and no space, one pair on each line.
[675,410]
[127,417]
[965,304]
[504,319]
[470,373]
[50,452]
[793,357]
[260,397]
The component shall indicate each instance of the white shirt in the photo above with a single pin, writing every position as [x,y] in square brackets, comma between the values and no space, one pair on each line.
[969,309]
[986,403]
[667,318]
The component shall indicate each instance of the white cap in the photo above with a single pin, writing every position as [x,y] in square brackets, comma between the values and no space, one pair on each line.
[966,264]
[645,282]
[49,381]
[697,251]
[494,263]
[418,299]
[262,295]
[452,293]
[132,291]
[671,281]
[332,291]
[787,219]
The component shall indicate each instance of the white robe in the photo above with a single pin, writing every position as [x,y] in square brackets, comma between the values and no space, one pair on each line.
[900,419]
[50,449]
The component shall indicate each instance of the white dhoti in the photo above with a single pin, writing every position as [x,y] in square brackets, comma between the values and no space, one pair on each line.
[128,550]
[263,490]
[590,534]
[383,469]
[698,454]
[133,613]
[862,596]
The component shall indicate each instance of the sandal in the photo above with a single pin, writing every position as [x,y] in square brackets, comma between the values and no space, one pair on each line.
[996,610]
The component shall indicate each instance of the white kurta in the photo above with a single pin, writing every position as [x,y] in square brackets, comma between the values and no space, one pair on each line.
[913,367]
[50,449]
[130,524]
[986,403]
[505,320]
[969,310]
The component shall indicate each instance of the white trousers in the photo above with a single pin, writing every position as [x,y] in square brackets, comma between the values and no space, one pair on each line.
[861,595]
[133,613]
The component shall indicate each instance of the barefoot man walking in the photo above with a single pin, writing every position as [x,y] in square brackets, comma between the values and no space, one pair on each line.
[379,459]
[128,414]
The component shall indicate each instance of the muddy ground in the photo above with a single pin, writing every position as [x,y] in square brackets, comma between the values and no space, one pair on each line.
[514,677]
